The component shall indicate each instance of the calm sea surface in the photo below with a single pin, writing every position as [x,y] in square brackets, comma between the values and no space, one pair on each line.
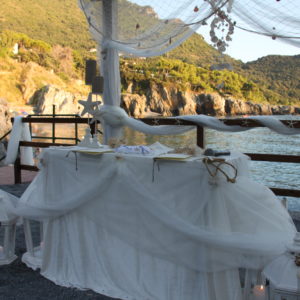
[260,140]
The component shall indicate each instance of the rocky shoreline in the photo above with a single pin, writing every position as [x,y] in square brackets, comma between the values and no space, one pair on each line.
[172,102]
[158,100]
[161,100]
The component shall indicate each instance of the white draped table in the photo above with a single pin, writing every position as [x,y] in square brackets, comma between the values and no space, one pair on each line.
[131,228]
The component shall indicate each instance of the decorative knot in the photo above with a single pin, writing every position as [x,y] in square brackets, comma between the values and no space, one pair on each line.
[217,163]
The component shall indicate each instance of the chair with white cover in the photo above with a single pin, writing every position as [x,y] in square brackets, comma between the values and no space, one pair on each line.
[7,230]
[33,256]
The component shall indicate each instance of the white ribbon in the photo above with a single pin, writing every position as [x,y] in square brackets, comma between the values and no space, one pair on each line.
[117,117]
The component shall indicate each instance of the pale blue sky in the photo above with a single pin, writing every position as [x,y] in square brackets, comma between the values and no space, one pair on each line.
[250,46]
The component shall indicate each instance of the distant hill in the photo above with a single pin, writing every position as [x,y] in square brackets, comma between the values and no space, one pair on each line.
[277,73]
[62,22]
[53,21]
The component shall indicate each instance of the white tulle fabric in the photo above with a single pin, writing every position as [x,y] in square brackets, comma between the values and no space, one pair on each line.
[117,117]
[130,228]
[20,132]
[5,215]
[164,25]
[283,273]
[115,31]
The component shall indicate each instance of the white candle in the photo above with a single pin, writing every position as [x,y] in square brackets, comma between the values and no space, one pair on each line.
[259,292]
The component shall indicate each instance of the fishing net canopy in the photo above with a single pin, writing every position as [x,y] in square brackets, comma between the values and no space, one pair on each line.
[148,28]
[277,19]
[152,27]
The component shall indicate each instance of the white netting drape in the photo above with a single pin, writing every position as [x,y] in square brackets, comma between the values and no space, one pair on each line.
[274,18]
[141,28]
[150,28]
[146,28]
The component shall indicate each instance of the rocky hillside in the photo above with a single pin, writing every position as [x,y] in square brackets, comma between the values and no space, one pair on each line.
[5,115]
[277,73]
[173,102]
[163,101]
[53,42]
[62,22]
[35,64]
[53,21]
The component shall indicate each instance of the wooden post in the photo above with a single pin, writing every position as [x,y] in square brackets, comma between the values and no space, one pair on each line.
[93,127]
[53,123]
[17,170]
[76,132]
[200,137]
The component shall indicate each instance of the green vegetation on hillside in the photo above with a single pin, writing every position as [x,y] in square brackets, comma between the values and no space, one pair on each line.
[36,64]
[277,74]
[64,61]
[197,51]
[54,22]
[68,64]
[187,76]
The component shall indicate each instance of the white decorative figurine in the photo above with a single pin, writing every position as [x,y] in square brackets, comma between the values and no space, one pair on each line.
[87,139]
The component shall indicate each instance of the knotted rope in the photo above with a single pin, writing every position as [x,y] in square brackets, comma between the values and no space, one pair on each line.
[217,163]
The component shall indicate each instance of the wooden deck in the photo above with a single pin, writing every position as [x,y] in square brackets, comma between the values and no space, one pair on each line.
[7,175]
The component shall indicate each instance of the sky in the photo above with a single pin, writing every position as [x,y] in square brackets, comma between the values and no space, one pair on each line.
[250,46]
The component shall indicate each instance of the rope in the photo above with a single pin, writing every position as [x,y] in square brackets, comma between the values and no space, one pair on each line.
[76,159]
[217,163]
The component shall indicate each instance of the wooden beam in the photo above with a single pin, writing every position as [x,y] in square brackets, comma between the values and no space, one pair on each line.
[286,192]
[200,137]
[29,168]
[61,120]
[42,144]
[274,157]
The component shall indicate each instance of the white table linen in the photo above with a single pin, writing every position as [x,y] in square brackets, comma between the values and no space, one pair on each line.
[129,229]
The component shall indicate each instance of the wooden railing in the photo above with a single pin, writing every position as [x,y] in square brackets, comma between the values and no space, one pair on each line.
[160,121]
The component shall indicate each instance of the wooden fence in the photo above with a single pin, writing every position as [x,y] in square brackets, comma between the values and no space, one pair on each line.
[154,121]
